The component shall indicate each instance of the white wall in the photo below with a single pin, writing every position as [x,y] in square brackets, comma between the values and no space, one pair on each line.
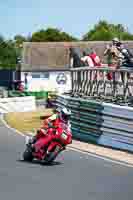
[48,83]
[17,104]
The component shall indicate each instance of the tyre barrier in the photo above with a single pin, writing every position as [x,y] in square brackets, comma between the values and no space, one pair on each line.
[41,103]
[101,123]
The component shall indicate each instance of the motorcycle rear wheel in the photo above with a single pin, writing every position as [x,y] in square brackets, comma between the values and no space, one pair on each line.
[27,155]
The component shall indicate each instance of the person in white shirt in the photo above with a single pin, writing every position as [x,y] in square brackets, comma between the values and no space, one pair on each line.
[87,60]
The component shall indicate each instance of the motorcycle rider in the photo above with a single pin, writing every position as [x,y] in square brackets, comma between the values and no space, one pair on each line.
[53,122]
[61,116]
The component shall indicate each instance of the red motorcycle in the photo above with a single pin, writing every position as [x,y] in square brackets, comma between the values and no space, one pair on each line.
[48,153]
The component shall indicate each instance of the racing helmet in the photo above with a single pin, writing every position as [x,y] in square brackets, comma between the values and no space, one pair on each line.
[65,114]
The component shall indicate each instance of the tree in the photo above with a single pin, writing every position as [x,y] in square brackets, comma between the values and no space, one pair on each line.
[18,44]
[51,35]
[104,31]
[19,39]
[10,50]
[7,53]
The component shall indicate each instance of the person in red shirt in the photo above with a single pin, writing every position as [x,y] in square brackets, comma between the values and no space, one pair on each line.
[96,61]
[95,58]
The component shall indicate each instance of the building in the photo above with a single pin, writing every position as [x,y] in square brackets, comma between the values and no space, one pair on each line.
[46,65]
[43,69]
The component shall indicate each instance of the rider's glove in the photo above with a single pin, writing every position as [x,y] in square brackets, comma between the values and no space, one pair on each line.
[51,126]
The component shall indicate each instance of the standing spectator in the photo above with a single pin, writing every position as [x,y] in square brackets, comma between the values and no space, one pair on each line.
[87,59]
[75,57]
[112,52]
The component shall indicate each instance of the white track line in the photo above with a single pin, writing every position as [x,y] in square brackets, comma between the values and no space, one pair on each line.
[7,126]
[122,163]
[74,149]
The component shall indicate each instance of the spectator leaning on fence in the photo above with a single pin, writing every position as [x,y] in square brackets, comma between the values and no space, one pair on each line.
[97,63]
[87,59]
[95,58]
[90,58]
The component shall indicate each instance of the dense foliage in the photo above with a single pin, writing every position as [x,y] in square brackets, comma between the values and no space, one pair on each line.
[10,50]
[103,31]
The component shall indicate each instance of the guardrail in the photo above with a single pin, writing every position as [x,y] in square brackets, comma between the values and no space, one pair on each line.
[102,123]
[103,83]
[17,104]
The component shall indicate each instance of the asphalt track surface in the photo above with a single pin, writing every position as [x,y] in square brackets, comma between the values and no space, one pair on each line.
[75,176]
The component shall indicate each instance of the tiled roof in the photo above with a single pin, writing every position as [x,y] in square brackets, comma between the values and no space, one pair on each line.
[55,55]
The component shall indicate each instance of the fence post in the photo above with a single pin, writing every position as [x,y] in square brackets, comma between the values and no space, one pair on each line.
[86,82]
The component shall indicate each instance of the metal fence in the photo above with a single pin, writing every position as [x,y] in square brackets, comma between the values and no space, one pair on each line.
[103,83]
[96,115]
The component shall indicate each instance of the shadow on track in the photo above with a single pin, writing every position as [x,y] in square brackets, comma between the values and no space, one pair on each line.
[37,162]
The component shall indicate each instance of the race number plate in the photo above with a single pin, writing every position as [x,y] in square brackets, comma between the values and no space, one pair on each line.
[64,136]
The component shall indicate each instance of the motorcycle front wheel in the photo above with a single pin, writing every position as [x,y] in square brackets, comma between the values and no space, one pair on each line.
[27,155]
[52,155]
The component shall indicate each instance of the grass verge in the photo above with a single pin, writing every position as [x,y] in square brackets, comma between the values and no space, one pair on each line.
[27,121]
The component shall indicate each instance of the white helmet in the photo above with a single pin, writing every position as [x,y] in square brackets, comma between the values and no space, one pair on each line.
[65,114]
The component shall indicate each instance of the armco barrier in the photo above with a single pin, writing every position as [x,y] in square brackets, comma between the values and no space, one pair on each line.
[17,104]
[102,123]
[37,94]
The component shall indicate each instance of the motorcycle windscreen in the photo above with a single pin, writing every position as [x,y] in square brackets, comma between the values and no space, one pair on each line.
[27,139]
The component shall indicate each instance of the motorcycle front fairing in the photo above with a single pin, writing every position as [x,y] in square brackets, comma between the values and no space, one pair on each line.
[28,139]
[53,142]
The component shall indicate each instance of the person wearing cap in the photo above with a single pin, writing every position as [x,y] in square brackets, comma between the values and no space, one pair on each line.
[112,52]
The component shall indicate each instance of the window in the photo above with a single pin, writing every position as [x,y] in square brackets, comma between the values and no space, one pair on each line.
[35,75]
[42,75]
[45,75]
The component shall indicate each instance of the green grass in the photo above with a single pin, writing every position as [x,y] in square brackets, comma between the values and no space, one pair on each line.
[27,121]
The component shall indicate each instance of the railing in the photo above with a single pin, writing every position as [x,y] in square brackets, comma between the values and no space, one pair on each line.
[103,83]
